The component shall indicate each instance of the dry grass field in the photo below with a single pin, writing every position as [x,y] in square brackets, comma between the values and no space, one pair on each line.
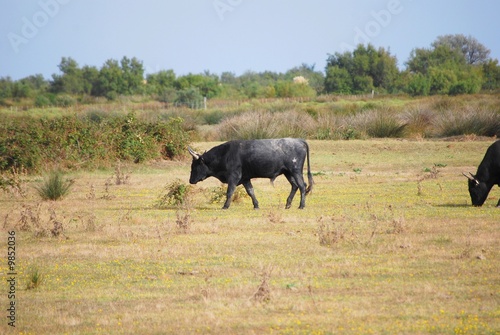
[388,244]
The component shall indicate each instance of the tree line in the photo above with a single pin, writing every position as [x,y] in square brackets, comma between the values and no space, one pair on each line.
[452,65]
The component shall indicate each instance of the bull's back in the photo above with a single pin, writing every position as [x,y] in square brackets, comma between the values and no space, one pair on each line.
[269,158]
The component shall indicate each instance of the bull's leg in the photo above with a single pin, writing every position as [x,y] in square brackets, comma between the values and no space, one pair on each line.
[229,195]
[302,187]
[249,188]
[295,187]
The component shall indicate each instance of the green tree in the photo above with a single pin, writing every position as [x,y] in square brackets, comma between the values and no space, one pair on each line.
[338,80]
[451,66]
[161,80]
[110,82]
[366,67]
[207,84]
[491,75]
[6,85]
[120,78]
[190,97]
[132,76]
[161,85]
[315,79]
[469,47]
[90,77]
[71,79]
[418,84]
[441,80]
[422,60]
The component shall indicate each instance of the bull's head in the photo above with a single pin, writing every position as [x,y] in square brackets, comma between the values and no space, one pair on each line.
[478,190]
[199,170]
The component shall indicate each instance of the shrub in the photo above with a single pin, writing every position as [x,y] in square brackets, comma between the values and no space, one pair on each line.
[42,101]
[171,136]
[218,194]
[93,140]
[190,97]
[174,194]
[54,187]
[64,100]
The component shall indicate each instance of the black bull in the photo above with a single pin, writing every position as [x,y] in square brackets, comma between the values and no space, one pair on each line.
[237,162]
[487,175]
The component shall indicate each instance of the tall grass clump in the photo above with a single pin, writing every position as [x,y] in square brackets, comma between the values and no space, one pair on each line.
[331,126]
[35,278]
[419,120]
[54,187]
[264,124]
[468,121]
[380,123]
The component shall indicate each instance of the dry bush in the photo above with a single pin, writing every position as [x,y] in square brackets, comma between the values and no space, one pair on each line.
[330,234]
[32,220]
[275,216]
[184,221]
[13,182]
[263,293]
[30,217]
[88,220]
[120,176]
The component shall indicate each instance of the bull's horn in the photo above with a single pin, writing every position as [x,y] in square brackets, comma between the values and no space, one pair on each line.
[465,175]
[194,153]
[471,177]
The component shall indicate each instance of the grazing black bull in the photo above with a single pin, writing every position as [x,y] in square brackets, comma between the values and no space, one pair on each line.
[237,162]
[487,175]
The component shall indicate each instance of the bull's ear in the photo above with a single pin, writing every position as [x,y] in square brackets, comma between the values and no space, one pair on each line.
[194,153]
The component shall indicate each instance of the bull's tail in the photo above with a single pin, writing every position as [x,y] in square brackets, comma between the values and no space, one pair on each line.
[309,174]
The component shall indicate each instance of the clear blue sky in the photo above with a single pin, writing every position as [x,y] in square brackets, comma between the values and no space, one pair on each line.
[227,35]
